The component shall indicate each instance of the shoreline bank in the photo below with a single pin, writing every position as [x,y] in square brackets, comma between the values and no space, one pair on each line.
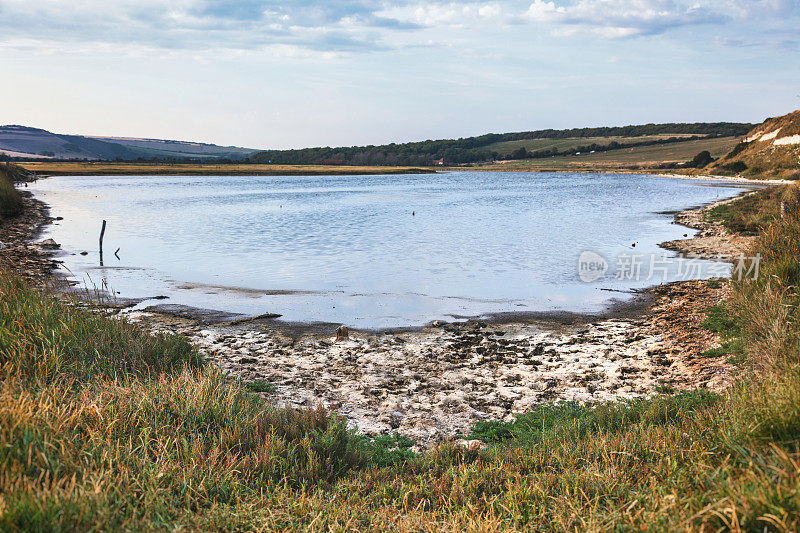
[433,384]
[187,169]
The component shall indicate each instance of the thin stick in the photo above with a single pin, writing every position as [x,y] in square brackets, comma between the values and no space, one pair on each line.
[102,232]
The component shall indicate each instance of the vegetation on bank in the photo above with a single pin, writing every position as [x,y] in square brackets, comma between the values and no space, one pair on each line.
[752,213]
[10,200]
[105,427]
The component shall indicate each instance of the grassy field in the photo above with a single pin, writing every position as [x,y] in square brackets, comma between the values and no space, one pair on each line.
[104,169]
[638,157]
[104,427]
[533,145]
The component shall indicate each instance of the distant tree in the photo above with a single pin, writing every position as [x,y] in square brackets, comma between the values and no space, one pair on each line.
[701,160]
[519,153]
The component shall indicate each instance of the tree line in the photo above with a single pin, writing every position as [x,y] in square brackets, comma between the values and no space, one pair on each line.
[478,149]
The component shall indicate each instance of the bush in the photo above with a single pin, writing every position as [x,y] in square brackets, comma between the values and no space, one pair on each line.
[736,166]
[701,160]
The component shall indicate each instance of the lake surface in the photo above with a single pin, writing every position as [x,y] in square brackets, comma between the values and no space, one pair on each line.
[377,251]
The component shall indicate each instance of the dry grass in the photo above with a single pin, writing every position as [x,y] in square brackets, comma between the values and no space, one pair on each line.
[770,304]
[101,169]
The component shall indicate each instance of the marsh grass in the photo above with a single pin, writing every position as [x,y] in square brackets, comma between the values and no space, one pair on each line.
[10,200]
[103,427]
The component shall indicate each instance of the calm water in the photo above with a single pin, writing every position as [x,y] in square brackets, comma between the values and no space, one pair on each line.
[373,251]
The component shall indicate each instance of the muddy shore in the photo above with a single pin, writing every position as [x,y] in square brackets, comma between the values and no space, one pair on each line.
[433,384]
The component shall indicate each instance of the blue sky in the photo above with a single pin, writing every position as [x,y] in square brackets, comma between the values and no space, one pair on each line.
[270,74]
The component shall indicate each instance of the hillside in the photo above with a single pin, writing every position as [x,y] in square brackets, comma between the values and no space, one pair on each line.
[634,158]
[529,145]
[35,143]
[770,149]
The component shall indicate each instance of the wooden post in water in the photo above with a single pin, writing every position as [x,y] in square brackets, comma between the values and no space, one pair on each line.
[102,232]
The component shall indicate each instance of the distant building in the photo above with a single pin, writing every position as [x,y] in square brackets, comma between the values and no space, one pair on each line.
[439,161]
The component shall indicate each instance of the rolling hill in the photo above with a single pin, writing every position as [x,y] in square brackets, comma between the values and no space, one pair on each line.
[770,149]
[35,143]
[528,145]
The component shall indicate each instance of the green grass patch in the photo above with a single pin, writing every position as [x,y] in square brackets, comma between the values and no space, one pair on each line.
[388,450]
[719,320]
[259,386]
[576,421]
[729,327]
[750,214]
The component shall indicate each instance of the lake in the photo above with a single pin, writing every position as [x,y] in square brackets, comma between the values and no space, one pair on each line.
[378,251]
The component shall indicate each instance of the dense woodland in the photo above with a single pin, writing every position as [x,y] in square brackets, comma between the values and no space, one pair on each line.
[477,149]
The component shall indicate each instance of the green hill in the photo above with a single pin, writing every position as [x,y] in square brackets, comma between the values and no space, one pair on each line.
[529,145]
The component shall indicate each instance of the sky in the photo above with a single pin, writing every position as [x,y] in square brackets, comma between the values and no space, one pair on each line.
[269,74]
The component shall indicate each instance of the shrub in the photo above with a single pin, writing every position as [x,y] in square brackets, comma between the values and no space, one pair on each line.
[736,166]
[701,160]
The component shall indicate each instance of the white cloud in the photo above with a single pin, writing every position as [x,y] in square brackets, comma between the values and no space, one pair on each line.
[545,11]
[344,26]
[458,14]
[621,18]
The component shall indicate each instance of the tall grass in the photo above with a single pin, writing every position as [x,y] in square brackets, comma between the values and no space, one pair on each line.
[104,427]
[102,424]
[10,200]
[770,304]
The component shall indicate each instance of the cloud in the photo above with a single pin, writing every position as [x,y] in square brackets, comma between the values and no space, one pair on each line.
[342,25]
[434,14]
[349,26]
[621,18]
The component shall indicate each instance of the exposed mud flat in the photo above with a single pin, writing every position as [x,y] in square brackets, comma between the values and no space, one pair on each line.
[434,384]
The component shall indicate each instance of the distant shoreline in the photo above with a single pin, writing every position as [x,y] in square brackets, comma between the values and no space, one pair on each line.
[185,169]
